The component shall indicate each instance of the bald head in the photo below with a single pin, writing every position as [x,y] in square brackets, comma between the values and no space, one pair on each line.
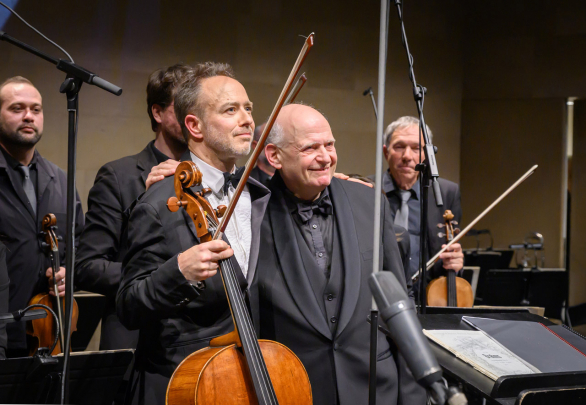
[301,148]
[295,119]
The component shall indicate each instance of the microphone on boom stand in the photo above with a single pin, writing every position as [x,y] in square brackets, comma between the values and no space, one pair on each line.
[398,313]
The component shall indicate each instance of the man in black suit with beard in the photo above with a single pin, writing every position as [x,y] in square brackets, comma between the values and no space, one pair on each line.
[30,188]
[161,292]
[310,289]
[117,186]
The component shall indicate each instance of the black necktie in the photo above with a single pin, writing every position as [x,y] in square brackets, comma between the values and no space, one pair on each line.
[233,178]
[28,186]
[322,206]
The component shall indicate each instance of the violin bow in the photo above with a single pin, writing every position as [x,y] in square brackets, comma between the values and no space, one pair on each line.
[434,259]
[296,89]
[265,133]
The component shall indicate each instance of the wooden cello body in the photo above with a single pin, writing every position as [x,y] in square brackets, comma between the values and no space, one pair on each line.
[218,375]
[449,291]
[236,369]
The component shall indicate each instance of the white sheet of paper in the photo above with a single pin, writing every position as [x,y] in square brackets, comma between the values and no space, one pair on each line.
[481,351]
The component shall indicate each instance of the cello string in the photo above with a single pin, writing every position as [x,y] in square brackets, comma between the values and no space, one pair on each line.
[255,354]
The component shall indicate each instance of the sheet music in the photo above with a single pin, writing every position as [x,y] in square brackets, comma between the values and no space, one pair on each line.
[482,352]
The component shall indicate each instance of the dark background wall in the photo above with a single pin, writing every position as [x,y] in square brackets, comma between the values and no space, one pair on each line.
[497,74]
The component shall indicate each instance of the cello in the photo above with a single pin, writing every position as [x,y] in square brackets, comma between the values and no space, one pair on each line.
[43,330]
[450,290]
[236,368]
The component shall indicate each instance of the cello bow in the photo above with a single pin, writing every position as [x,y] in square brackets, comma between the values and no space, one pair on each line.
[265,133]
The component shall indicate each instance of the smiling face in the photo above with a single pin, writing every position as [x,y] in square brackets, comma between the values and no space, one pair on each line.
[306,156]
[403,155]
[21,115]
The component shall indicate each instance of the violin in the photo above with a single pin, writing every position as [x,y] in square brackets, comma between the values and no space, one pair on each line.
[450,291]
[236,368]
[43,330]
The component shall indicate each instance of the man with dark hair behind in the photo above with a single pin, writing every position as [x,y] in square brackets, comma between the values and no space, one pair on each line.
[30,188]
[117,186]
[162,291]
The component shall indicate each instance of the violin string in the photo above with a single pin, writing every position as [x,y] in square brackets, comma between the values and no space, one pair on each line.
[248,336]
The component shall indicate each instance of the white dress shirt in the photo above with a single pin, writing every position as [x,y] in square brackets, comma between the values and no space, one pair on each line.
[238,232]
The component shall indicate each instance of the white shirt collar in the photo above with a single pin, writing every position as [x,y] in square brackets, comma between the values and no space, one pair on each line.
[212,177]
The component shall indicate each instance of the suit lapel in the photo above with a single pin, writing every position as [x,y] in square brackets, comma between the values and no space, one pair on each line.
[291,264]
[350,252]
[16,183]
[145,161]
[260,198]
[46,175]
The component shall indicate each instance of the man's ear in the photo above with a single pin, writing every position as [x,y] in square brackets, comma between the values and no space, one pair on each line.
[157,111]
[194,126]
[386,152]
[272,153]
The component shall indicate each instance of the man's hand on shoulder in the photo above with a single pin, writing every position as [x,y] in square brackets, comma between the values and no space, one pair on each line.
[453,258]
[201,261]
[343,176]
[162,170]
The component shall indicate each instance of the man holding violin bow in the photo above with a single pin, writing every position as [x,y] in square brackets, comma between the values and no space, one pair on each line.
[401,186]
[30,188]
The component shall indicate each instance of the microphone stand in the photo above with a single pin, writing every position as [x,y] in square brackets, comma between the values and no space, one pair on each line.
[76,76]
[382,69]
[369,92]
[427,168]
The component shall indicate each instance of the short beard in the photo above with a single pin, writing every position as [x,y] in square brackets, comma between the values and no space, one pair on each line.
[222,146]
[16,140]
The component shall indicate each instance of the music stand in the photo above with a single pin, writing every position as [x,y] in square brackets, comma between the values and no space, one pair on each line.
[505,287]
[548,288]
[94,378]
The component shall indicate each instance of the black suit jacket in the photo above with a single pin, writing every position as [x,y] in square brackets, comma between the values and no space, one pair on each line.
[286,309]
[103,243]
[4,296]
[173,317]
[451,198]
[20,231]
[435,215]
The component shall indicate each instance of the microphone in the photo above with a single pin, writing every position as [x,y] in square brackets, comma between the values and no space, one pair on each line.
[22,315]
[367,91]
[398,313]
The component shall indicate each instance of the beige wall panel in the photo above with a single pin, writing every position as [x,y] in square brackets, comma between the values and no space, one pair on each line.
[501,140]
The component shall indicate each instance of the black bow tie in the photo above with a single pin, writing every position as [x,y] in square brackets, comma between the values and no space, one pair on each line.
[233,178]
[322,206]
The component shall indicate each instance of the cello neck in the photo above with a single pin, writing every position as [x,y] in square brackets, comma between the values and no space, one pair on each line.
[263,387]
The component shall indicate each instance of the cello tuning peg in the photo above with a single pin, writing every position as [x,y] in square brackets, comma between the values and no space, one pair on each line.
[454,222]
[220,211]
[441,234]
[456,231]
[441,226]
